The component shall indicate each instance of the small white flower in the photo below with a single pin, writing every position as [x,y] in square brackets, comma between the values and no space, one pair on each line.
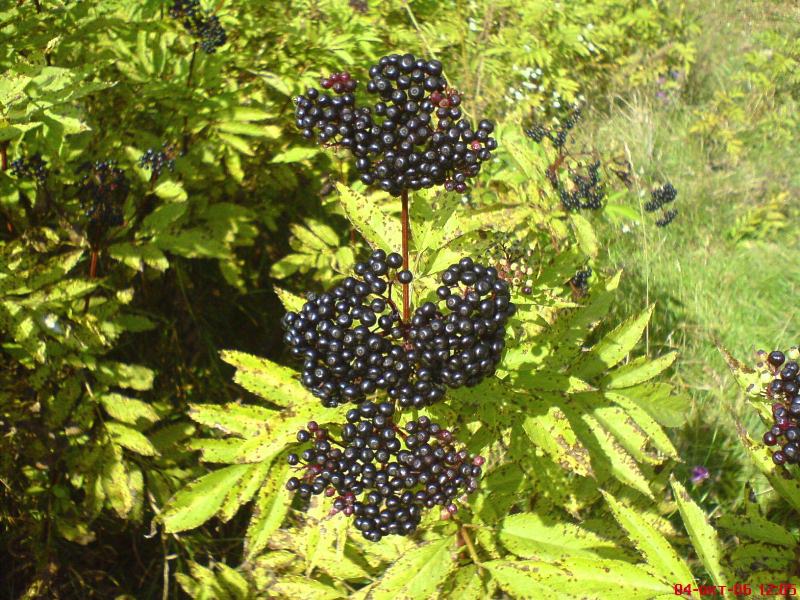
[625,228]
[51,322]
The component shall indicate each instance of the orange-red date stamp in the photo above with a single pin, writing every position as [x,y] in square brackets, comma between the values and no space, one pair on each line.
[737,589]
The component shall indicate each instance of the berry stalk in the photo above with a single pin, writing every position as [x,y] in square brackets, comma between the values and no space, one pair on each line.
[93,265]
[405,226]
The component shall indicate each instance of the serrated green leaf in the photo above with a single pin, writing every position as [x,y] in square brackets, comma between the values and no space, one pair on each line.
[130,438]
[309,240]
[747,378]
[576,577]
[295,154]
[128,410]
[704,538]
[290,301]
[233,582]
[251,129]
[467,584]
[323,231]
[614,346]
[655,548]
[638,371]
[643,420]
[244,420]
[294,586]
[200,500]
[135,377]
[243,490]
[531,535]
[548,381]
[549,428]
[667,408]
[620,424]
[171,191]
[163,217]
[756,528]
[418,573]
[271,506]
[269,380]
[226,451]
[236,143]
[379,229]
[584,234]
[115,481]
[621,464]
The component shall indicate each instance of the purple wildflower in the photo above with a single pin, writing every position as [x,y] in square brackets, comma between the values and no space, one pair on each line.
[699,475]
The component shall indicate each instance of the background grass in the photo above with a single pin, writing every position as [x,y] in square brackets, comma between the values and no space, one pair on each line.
[709,288]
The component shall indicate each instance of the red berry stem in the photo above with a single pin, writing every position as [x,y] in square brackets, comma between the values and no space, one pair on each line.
[405,225]
[93,265]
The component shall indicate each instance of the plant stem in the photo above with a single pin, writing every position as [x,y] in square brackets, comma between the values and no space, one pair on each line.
[418,28]
[404,237]
[93,264]
[470,548]
[3,156]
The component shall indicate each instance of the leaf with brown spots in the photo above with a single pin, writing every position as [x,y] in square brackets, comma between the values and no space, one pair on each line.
[704,537]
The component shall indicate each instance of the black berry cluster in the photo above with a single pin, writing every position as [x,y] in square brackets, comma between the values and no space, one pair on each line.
[661,196]
[103,191]
[666,218]
[580,281]
[557,134]
[784,390]
[353,341]
[415,136]
[33,167]
[359,6]
[158,160]
[585,191]
[381,475]
[463,345]
[200,23]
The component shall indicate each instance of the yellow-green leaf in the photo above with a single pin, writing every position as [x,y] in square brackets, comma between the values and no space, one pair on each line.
[703,536]
[655,548]
[419,573]
[200,500]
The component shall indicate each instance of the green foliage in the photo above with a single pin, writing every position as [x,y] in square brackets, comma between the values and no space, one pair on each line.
[759,106]
[120,416]
[561,423]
